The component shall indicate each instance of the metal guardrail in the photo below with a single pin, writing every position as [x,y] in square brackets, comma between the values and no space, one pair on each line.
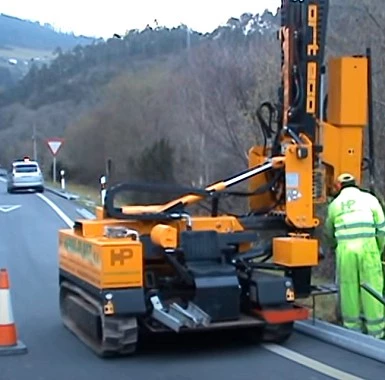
[62,193]
[359,343]
[339,336]
[379,297]
[84,213]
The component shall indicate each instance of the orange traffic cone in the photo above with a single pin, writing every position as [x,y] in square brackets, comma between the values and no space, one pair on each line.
[9,343]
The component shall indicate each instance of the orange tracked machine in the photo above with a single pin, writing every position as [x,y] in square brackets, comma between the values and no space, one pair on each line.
[160,268]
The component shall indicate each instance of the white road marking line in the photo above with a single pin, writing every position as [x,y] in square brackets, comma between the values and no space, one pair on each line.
[9,208]
[310,363]
[58,211]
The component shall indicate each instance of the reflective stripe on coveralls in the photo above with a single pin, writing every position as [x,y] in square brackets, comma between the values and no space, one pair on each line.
[356,224]
[358,230]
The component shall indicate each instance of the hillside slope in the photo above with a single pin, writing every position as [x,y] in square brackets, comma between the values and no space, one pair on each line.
[24,42]
[166,96]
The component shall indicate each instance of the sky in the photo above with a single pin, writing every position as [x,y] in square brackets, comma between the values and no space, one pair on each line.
[100,18]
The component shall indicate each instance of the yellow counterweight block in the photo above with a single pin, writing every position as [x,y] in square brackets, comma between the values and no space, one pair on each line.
[102,262]
[295,251]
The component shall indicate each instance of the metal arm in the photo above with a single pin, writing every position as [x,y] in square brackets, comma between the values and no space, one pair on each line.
[303,32]
[164,211]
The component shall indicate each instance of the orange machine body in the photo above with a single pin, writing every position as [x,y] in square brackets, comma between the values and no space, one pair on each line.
[105,262]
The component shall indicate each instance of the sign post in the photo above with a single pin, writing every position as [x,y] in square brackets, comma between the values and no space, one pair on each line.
[54,145]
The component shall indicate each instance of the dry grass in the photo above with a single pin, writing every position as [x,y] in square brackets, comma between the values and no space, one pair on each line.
[325,305]
[84,191]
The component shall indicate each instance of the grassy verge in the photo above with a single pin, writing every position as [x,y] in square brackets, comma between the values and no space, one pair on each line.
[82,190]
[89,197]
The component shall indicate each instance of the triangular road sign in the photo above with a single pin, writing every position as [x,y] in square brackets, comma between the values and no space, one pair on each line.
[54,145]
[8,208]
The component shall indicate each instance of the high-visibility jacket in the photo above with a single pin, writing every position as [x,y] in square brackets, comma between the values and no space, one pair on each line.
[355,214]
[355,227]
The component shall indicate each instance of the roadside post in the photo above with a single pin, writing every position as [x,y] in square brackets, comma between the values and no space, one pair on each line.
[62,179]
[103,188]
[54,145]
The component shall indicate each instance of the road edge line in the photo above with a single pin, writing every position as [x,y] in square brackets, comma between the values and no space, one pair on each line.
[313,364]
[67,220]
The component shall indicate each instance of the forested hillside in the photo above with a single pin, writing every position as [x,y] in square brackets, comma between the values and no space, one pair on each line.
[168,104]
[32,35]
[23,42]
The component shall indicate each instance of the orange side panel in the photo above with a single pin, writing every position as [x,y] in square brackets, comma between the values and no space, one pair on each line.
[102,262]
[347,91]
[343,149]
[347,116]
[122,264]
[297,313]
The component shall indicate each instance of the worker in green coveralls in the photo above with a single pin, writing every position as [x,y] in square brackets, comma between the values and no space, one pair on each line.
[355,229]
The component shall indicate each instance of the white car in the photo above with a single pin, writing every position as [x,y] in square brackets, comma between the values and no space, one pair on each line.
[24,175]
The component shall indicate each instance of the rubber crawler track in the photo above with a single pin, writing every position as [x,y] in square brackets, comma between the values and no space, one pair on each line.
[117,336]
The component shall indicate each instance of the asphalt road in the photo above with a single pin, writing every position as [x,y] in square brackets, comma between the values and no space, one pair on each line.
[28,250]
